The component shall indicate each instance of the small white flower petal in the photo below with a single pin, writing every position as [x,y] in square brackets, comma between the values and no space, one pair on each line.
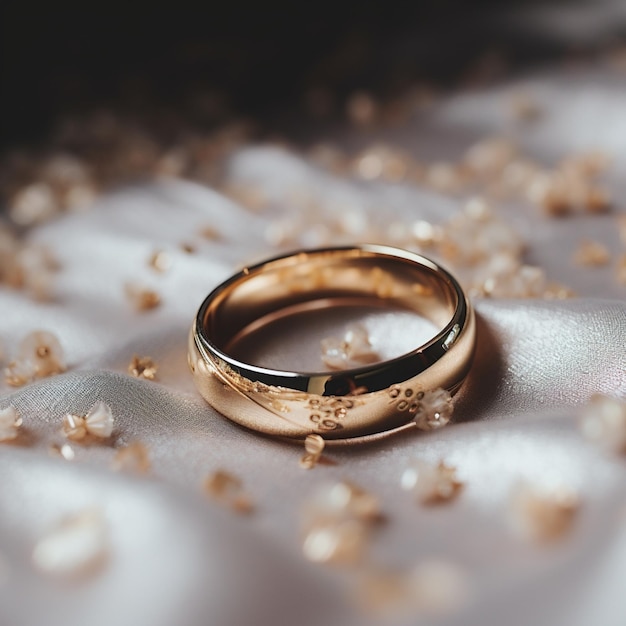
[99,421]
[435,410]
[10,421]
[9,417]
[41,346]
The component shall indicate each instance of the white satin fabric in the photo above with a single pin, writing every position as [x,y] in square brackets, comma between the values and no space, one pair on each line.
[178,558]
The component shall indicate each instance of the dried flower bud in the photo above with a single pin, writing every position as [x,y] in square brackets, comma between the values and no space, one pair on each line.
[142,299]
[143,367]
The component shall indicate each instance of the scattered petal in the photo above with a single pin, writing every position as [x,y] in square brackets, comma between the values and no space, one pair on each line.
[343,500]
[431,483]
[228,491]
[19,373]
[143,367]
[99,421]
[603,421]
[597,200]
[143,299]
[77,546]
[188,248]
[489,156]
[10,422]
[39,355]
[133,458]
[592,253]
[337,523]
[44,350]
[342,542]
[33,204]
[210,233]
[434,410]
[543,514]
[314,446]
[438,587]
[74,427]
[160,261]
[65,451]
[383,593]
[434,587]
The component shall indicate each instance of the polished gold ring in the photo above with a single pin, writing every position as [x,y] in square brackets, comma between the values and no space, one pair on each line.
[335,404]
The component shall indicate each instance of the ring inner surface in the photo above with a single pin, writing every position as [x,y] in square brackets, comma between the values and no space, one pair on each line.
[318,281]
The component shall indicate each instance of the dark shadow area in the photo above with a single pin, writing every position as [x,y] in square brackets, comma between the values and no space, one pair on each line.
[481,388]
[209,61]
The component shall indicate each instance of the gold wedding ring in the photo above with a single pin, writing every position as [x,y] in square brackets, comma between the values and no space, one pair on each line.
[335,404]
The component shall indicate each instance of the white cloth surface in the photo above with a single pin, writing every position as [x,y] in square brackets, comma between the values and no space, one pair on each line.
[177,558]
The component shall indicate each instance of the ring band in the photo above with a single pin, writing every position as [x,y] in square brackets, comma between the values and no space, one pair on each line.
[336,404]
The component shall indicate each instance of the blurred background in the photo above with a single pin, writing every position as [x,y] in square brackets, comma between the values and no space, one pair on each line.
[270,61]
[489,134]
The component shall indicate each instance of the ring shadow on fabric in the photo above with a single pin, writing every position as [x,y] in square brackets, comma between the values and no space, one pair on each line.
[480,389]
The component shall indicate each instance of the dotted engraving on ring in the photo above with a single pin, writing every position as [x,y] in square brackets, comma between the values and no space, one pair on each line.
[405,398]
[326,413]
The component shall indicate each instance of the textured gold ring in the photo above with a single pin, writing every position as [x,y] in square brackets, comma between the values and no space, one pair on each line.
[335,404]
